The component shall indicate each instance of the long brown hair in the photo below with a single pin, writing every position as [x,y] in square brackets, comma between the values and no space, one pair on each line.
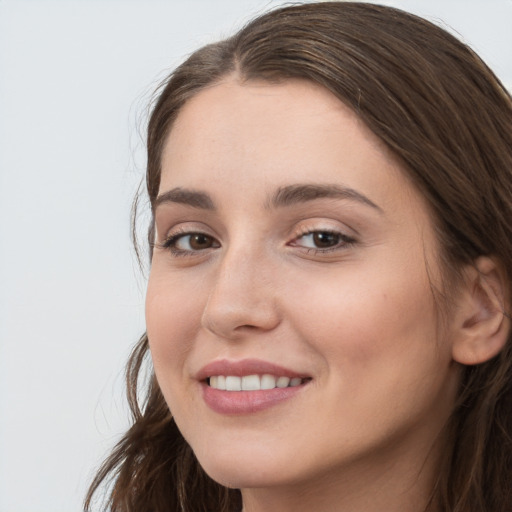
[447,117]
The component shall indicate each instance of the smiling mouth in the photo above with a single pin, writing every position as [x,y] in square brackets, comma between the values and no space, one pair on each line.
[248,386]
[253,382]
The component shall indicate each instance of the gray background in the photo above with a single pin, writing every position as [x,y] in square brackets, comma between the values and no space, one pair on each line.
[75,80]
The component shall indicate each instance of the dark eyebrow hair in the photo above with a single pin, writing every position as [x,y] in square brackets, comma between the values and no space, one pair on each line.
[185,196]
[299,193]
[284,196]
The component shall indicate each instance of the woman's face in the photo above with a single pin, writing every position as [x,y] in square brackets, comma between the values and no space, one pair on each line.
[291,245]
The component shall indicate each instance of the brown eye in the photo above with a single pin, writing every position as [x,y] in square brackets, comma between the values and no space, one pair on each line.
[320,240]
[324,239]
[183,243]
[199,241]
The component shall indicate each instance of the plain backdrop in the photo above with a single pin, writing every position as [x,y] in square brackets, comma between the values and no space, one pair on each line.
[76,77]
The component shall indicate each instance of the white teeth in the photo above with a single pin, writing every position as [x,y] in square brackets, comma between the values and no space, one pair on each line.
[252,382]
[233,383]
[268,381]
[282,382]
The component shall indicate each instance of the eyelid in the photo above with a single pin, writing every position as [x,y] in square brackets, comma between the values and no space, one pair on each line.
[345,240]
[184,228]
[174,234]
[344,237]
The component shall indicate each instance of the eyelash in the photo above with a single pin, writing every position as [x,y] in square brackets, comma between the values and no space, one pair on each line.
[170,241]
[344,242]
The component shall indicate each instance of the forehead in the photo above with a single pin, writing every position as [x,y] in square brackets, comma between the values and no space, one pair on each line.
[259,135]
[261,109]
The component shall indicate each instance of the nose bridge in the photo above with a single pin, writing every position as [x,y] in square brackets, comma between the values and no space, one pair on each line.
[242,293]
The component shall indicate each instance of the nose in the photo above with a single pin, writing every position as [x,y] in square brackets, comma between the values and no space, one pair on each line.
[242,298]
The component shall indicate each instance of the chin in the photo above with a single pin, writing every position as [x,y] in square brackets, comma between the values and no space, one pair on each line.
[243,478]
[251,469]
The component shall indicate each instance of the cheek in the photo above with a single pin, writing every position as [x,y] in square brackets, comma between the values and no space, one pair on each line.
[383,361]
[369,320]
[173,314]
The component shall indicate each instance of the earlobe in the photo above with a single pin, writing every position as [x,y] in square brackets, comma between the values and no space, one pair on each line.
[481,320]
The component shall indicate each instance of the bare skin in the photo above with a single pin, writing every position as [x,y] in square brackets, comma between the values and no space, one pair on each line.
[300,242]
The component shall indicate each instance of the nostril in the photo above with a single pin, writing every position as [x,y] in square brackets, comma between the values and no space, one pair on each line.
[238,319]
[247,326]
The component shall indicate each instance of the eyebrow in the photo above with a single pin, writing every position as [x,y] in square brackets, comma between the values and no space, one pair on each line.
[300,193]
[283,196]
[192,198]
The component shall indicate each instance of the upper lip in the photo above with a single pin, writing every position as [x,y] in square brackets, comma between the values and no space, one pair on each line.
[245,367]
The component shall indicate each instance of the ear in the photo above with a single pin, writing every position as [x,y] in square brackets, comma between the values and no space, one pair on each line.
[481,324]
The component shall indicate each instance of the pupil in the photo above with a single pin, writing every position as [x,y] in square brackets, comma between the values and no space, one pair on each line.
[325,239]
[200,242]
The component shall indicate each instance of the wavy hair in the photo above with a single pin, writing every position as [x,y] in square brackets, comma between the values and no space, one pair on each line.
[446,116]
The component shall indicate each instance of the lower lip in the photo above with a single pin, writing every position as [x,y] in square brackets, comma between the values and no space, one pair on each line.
[246,402]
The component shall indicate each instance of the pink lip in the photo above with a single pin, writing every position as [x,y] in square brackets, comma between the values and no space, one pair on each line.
[245,402]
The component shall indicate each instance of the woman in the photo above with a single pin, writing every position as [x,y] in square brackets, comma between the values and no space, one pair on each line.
[327,309]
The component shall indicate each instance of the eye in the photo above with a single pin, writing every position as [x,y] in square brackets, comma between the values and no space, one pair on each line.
[323,240]
[182,243]
[320,239]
